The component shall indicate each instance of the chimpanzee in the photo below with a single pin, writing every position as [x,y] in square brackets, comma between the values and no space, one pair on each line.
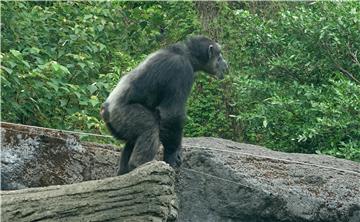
[148,104]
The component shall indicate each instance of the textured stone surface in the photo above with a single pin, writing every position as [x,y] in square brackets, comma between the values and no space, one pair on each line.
[220,180]
[35,157]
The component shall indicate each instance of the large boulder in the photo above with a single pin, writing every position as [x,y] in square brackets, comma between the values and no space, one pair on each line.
[219,180]
[38,157]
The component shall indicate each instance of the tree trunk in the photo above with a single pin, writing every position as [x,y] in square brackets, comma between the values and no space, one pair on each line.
[145,194]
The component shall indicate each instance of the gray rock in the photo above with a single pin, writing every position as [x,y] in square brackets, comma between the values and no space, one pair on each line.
[36,157]
[221,180]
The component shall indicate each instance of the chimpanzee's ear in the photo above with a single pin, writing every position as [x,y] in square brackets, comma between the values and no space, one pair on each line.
[211,51]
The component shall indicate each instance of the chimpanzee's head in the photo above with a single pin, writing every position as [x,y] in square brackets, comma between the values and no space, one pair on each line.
[206,56]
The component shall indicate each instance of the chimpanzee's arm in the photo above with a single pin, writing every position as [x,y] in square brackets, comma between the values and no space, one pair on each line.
[172,117]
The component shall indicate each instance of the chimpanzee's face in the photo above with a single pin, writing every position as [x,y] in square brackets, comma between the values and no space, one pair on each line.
[217,65]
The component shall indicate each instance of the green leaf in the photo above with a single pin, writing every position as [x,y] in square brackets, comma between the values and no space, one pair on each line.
[53,85]
[265,123]
[63,102]
[64,69]
[34,50]
[94,101]
[86,17]
[78,95]
[16,53]
[26,64]
[83,102]
[92,88]
[8,70]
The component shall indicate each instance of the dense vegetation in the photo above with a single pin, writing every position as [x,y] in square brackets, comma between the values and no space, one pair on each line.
[293,86]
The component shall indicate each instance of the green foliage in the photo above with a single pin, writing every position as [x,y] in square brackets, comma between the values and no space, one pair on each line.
[297,84]
[207,111]
[301,118]
[61,60]
[293,86]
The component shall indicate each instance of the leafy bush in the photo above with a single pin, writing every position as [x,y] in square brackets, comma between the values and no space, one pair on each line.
[301,118]
[61,60]
[207,110]
[297,85]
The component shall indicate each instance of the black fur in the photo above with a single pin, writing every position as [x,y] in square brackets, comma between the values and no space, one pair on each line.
[148,104]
